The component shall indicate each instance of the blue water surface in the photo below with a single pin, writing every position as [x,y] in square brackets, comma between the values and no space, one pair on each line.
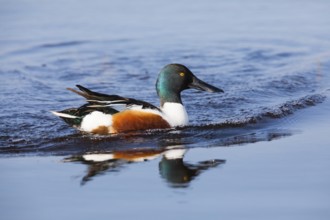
[257,151]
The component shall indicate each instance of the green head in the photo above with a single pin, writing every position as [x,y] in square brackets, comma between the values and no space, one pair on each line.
[174,78]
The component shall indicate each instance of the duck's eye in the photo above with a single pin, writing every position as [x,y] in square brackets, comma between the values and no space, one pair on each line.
[181,74]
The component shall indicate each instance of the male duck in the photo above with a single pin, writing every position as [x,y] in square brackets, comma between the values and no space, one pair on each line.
[106,114]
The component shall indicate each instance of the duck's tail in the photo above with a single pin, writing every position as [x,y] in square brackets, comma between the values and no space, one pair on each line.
[69,116]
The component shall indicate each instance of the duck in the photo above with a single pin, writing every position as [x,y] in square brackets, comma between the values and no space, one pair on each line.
[113,114]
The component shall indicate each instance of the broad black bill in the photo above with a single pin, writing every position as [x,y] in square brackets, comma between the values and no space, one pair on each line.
[201,85]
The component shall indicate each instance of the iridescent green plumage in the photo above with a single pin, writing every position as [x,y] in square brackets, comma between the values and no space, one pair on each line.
[174,78]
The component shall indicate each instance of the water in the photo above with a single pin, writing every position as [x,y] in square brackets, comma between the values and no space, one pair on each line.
[271,59]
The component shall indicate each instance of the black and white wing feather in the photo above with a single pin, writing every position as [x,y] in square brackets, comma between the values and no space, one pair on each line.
[111,102]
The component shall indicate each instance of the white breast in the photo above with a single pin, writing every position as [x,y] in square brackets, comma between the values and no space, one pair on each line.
[175,114]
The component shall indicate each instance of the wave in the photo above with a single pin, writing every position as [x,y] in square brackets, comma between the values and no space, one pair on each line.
[263,126]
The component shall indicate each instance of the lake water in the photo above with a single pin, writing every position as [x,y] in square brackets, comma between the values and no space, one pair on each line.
[258,151]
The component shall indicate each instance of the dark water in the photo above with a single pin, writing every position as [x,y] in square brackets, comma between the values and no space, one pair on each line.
[271,58]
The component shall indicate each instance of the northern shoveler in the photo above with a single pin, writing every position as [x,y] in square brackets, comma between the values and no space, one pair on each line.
[106,114]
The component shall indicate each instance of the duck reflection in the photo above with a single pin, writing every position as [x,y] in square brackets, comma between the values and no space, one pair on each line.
[179,173]
[172,167]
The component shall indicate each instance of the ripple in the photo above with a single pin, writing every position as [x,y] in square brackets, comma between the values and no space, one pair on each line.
[63,44]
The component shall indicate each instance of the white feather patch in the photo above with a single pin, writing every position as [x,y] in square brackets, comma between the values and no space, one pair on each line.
[63,115]
[175,154]
[98,157]
[175,113]
[95,120]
